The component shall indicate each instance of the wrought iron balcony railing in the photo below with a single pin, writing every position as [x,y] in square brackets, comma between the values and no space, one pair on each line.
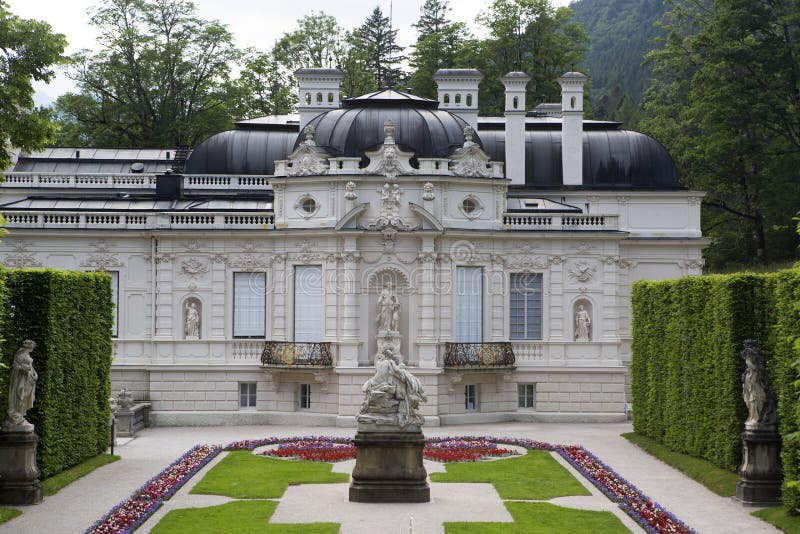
[291,354]
[481,355]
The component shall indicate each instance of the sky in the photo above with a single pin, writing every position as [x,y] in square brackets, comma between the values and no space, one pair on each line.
[256,23]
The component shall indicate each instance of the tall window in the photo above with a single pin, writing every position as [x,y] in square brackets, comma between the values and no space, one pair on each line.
[249,292]
[469,305]
[471,397]
[115,300]
[526,306]
[308,303]
[526,395]
[247,394]
[305,396]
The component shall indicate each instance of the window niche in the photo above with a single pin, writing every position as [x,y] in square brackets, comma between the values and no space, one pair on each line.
[582,323]
[192,318]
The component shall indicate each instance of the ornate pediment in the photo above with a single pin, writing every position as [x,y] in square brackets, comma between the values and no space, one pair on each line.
[470,160]
[389,160]
[307,159]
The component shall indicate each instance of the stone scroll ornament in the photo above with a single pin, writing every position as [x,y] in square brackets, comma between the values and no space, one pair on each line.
[21,390]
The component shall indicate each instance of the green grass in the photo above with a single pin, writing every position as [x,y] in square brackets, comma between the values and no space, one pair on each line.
[52,485]
[720,481]
[534,476]
[541,518]
[244,475]
[238,517]
[7,514]
[779,516]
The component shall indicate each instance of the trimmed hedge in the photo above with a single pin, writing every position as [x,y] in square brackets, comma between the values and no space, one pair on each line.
[69,316]
[686,369]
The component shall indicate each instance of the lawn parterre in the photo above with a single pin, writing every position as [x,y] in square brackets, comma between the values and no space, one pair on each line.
[143,503]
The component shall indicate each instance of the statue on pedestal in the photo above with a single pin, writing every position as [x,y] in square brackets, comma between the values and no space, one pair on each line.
[757,397]
[392,396]
[21,390]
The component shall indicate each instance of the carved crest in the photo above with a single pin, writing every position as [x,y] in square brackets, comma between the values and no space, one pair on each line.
[389,216]
[470,160]
[307,159]
[389,160]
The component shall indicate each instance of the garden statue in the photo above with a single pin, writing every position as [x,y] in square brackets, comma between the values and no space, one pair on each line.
[124,399]
[392,395]
[192,327]
[388,318]
[21,390]
[583,324]
[759,400]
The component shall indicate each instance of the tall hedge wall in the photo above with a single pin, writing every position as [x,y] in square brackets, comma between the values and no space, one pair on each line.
[686,369]
[69,316]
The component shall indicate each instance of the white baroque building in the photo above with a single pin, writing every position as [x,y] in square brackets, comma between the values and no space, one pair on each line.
[247,275]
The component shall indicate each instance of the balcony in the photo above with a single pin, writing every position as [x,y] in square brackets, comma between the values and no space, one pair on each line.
[290,354]
[532,221]
[139,220]
[479,355]
[127,181]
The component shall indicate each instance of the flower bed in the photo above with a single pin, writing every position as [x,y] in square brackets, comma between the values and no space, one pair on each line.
[131,513]
[314,450]
[464,450]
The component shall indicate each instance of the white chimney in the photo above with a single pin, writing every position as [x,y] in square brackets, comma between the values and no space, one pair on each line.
[515,83]
[317,92]
[572,127]
[458,93]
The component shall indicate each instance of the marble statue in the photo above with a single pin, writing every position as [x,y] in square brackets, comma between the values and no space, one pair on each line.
[350,191]
[388,318]
[757,397]
[392,395]
[583,324]
[21,389]
[427,191]
[192,326]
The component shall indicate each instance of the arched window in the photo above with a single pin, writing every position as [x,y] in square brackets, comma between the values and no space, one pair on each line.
[458,98]
[469,100]
[447,98]
[572,103]
[515,102]
[319,98]
[308,98]
[330,98]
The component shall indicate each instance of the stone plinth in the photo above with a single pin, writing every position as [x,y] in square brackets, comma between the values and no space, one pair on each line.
[760,472]
[19,474]
[389,467]
[131,420]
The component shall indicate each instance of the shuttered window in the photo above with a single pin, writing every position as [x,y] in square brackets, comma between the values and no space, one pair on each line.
[249,305]
[526,306]
[308,303]
[469,305]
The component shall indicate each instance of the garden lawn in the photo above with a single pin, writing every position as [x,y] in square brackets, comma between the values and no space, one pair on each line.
[541,518]
[534,476]
[238,517]
[779,516]
[244,475]
[52,485]
[6,514]
[720,481]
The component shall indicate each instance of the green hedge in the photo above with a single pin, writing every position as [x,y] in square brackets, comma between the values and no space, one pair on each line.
[686,369]
[69,316]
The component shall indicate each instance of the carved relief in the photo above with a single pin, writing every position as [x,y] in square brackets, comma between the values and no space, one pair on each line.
[389,215]
[427,192]
[582,272]
[101,262]
[193,267]
[350,191]
[389,160]
[307,159]
[22,258]
[249,262]
[695,264]
[470,160]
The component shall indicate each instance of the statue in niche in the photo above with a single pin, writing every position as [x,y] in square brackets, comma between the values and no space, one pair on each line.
[192,320]
[759,400]
[392,396]
[388,318]
[583,324]
[21,389]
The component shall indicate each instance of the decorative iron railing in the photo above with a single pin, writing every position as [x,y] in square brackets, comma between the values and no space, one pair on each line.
[290,354]
[498,354]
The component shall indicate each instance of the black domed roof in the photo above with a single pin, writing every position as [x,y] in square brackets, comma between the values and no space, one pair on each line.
[241,151]
[356,128]
[611,158]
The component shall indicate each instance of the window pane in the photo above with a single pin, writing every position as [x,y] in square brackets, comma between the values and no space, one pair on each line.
[308,303]
[526,306]
[248,304]
[469,305]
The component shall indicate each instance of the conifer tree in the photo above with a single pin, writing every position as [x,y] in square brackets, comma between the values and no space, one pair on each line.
[377,40]
[432,18]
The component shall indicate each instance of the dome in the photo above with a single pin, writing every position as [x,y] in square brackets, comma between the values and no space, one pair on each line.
[356,128]
[241,151]
[611,158]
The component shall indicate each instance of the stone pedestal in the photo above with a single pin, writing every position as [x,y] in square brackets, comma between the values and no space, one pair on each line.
[132,419]
[389,467]
[19,474]
[760,472]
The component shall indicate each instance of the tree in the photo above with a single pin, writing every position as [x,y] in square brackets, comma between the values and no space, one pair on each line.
[530,36]
[441,44]
[377,40]
[265,87]
[162,77]
[726,102]
[318,41]
[28,51]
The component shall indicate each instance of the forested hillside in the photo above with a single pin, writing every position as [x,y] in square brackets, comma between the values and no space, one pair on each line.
[621,32]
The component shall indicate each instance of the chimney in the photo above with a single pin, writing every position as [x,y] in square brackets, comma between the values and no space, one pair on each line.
[458,93]
[572,127]
[317,91]
[515,83]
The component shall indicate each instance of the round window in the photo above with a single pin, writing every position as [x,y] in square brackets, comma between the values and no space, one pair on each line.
[309,205]
[469,206]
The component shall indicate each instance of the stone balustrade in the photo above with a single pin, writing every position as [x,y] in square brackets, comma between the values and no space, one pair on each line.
[534,221]
[138,221]
[131,181]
